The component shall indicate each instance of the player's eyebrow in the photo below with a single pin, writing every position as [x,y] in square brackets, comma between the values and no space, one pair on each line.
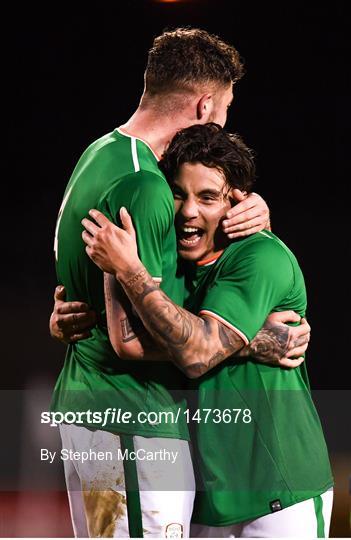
[212,192]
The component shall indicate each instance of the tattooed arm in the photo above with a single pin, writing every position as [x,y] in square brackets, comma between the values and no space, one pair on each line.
[128,336]
[276,343]
[273,344]
[182,334]
[197,344]
[194,344]
[72,321]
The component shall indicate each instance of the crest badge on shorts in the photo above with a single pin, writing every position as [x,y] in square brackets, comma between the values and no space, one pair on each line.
[174,530]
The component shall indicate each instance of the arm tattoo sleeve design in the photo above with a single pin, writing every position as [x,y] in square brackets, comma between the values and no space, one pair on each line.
[128,333]
[270,343]
[195,344]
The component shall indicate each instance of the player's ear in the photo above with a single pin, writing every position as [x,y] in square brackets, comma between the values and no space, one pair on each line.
[204,108]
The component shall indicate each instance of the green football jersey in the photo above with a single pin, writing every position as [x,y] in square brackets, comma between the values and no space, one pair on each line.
[261,448]
[118,170]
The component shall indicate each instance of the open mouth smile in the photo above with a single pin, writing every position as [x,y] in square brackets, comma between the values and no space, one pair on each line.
[189,236]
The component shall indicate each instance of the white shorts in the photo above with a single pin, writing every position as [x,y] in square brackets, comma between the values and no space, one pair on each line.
[307,519]
[113,494]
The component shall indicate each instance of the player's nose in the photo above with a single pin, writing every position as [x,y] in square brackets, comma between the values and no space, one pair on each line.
[189,209]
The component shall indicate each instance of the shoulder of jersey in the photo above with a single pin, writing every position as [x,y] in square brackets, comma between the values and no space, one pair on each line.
[264,240]
[144,158]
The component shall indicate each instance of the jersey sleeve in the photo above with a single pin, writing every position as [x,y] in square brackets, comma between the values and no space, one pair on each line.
[249,285]
[149,201]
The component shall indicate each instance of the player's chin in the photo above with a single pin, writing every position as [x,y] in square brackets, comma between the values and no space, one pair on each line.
[187,256]
[191,253]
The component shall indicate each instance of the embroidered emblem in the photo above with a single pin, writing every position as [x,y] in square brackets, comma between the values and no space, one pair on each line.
[174,530]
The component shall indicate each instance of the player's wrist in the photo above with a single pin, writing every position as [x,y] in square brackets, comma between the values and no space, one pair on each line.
[126,274]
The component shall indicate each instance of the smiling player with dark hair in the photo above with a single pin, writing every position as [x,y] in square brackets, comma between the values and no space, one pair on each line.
[267,473]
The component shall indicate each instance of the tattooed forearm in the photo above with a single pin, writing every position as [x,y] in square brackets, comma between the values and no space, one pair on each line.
[228,337]
[133,280]
[194,343]
[128,336]
[200,368]
[138,281]
[128,333]
[270,344]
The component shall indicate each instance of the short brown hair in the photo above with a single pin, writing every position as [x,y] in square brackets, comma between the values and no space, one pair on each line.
[210,145]
[185,57]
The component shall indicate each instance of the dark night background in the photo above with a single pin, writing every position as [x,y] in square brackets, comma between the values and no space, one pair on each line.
[72,78]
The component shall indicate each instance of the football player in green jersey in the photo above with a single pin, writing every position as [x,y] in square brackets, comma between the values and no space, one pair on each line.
[262,458]
[121,169]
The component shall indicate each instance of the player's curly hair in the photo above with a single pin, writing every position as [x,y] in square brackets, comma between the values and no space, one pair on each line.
[210,145]
[181,59]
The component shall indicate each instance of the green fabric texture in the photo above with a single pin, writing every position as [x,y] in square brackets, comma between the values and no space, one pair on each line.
[117,171]
[280,454]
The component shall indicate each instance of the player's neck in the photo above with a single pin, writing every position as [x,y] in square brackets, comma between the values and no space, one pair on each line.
[155,129]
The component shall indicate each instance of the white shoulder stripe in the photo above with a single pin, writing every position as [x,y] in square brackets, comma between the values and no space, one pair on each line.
[135,154]
[121,132]
[265,234]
